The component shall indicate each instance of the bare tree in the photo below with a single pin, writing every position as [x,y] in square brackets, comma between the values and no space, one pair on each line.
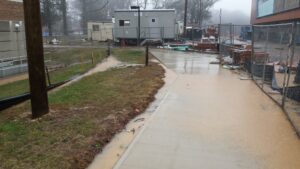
[145,4]
[96,10]
[91,10]
[157,4]
[64,16]
[198,10]
[142,3]
[50,14]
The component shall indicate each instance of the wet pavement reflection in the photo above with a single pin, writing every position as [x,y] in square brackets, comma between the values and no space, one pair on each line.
[211,119]
[188,62]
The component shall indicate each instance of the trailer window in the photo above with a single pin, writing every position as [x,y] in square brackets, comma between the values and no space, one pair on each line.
[96,28]
[4,26]
[153,20]
[124,22]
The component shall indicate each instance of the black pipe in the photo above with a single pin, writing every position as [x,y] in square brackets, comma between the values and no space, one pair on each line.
[12,101]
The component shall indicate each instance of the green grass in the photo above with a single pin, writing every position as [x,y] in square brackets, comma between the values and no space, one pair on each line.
[77,127]
[14,88]
[134,56]
[69,72]
[66,57]
[74,55]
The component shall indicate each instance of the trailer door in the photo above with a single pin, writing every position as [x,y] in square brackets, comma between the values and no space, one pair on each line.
[154,30]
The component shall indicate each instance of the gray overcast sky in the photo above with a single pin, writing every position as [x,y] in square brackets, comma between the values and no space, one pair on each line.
[235,5]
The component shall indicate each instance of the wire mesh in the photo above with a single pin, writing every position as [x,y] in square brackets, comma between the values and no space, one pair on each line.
[13,61]
[67,54]
[292,88]
[225,39]
[233,37]
[270,59]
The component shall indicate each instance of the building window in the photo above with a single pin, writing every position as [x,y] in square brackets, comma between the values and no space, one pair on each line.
[265,7]
[4,26]
[153,20]
[96,28]
[124,22]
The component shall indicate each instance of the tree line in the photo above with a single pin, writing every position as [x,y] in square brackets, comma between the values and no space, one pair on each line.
[68,15]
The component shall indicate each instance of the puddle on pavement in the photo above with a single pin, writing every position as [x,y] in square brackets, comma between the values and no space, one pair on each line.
[188,62]
[231,113]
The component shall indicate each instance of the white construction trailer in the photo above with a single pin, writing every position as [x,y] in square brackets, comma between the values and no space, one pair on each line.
[100,31]
[155,24]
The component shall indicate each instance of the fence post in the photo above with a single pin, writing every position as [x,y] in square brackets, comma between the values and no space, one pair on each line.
[233,32]
[147,55]
[252,52]
[162,35]
[219,33]
[108,49]
[265,59]
[92,58]
[48,76]
[290,62]
[230,32]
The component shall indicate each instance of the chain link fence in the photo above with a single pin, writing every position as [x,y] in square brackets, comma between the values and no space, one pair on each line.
[275,62]
[66,57]
[233,37]
[225,39]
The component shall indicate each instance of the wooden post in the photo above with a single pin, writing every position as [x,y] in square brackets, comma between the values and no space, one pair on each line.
[252,51]
[48,76]
[35,56]
[289,62]
[147,55]
[93,58]
[108,49]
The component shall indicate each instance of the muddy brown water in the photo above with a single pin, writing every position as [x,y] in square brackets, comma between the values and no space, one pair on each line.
[210,118]
[12,79]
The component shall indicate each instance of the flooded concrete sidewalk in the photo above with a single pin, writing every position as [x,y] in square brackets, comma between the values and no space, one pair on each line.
[211,119]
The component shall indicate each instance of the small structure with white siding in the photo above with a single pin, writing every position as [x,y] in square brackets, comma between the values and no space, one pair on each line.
[13,58]
[100,31]
[12,48]
[155,24]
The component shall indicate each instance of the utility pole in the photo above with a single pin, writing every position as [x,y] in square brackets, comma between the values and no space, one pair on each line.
[84,16]
[185,17]
[64,13]
[35,56]
[220,25]
[139,23]
[220,16]
[139,33]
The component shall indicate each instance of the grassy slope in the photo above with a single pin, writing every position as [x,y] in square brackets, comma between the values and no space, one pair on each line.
[75,54]
[135,56]
[67,57]
[84,116]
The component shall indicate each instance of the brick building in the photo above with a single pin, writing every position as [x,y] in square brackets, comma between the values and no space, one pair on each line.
[12,38]
[275,11]
[11,10]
